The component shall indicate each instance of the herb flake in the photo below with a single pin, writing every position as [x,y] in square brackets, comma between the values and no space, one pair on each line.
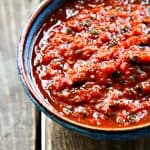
[85,23]
[68,30]
[139,88]
[124,30]
[113,42]
[132,78]
[116,74]
[93,31]
[133,60]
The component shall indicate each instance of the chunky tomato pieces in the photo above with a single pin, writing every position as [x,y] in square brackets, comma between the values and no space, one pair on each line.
[91,60]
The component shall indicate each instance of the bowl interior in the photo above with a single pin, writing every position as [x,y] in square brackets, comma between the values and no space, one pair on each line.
[34,28]
[24,68]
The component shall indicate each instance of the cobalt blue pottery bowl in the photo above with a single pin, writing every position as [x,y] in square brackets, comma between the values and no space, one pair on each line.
[24,69]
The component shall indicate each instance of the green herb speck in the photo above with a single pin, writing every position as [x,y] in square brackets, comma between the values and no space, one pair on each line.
[133,60]
[139,71]
[85,23]
[116,74]
[132,77]
[124,30]
[68,30]
[117,8]
[113,42]
[139,88]
[131,91]
[122,82]
[132,118]
[93,31]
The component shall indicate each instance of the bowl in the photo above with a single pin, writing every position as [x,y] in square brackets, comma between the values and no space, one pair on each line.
[24,70]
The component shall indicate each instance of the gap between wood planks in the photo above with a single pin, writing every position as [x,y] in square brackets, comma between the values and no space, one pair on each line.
[40,143]
[40,130]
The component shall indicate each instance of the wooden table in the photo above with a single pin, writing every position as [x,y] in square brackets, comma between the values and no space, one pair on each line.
[21,126]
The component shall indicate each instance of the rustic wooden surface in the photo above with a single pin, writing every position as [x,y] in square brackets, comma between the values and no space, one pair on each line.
[17,113]
[19,124]
[58,138]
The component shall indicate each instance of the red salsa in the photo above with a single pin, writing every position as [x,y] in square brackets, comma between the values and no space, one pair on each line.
[91,62]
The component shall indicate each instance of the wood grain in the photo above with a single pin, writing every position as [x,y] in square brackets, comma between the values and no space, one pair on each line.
[58,138]
[17,113]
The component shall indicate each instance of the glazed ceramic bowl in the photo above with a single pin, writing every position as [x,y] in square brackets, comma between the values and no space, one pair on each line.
[24,69]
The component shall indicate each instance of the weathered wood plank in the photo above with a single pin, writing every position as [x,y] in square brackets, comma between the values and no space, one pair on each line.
[17,113]
[59,138]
